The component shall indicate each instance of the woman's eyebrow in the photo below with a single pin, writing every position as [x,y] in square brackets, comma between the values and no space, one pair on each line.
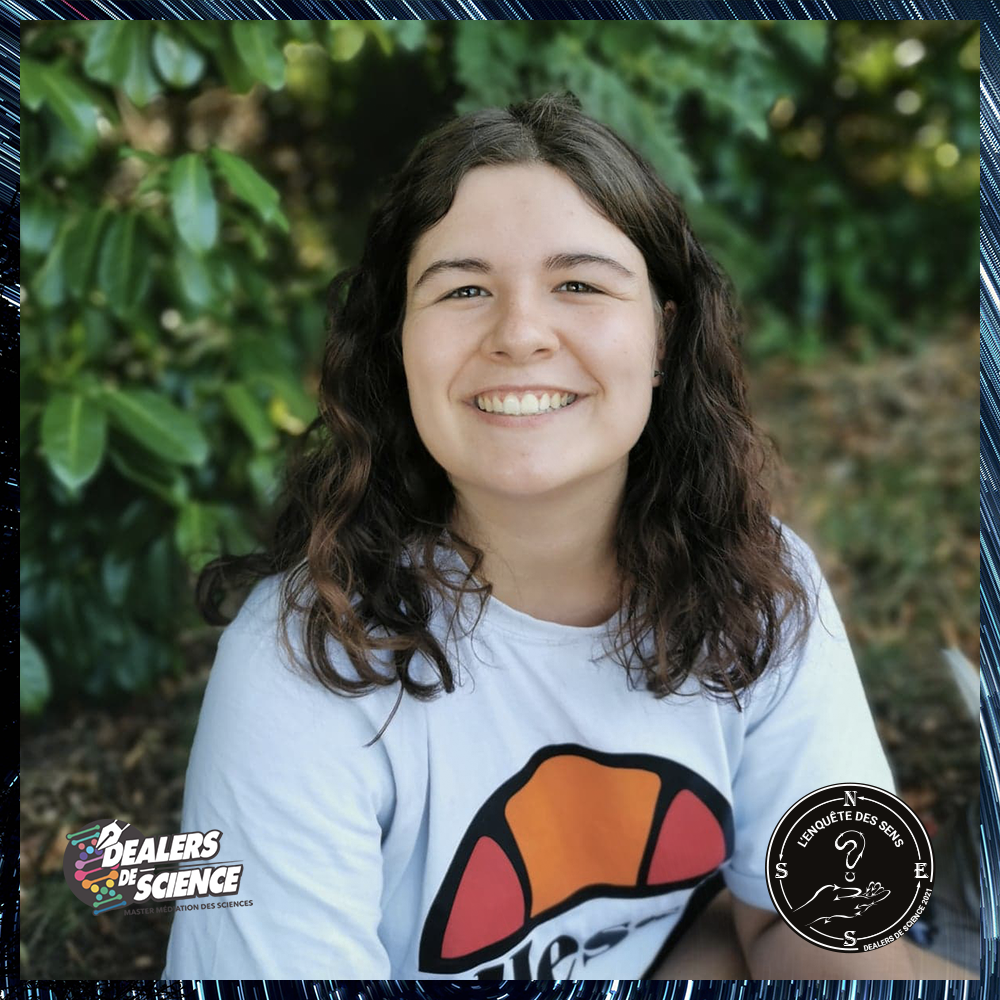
[552,263]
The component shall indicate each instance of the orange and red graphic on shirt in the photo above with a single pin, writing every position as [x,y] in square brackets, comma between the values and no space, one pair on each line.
[572,825]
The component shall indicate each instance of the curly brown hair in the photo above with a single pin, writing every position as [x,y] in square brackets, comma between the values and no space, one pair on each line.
[705,570]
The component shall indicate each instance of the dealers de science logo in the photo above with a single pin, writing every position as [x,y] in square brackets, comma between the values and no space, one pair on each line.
[850,867]
[109,864]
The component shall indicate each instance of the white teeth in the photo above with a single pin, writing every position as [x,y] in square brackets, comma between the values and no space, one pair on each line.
[527,405]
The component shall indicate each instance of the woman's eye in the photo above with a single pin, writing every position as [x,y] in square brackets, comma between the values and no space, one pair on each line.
[465,290]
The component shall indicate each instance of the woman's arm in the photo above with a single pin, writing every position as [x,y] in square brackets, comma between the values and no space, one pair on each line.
[713,948]
[732,940]
[774,951]
[279,768]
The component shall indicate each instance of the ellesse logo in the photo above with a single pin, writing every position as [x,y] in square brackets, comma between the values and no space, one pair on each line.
[572,825]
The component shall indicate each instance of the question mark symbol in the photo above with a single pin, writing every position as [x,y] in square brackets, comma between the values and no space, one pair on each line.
[853,842]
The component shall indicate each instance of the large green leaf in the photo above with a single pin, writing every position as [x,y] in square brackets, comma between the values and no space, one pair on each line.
[107,56]
[123,270]
[66,150]
[197,534]
[40,216]
[250,187]
[54,88]
[36,689]
[98,332]
[32,83]
[206,530]
[157,424]
[154,592]
[236,536]
[250,415]
[264,471]
[235,71]
[29,412]
[155,475]
[192,202]
[33,151]
[259,46]
[81,251]
[116,574]
[195,277]
[179,62]
[119,54]
[140,83]
[49,283]
[346,40]
[74,430]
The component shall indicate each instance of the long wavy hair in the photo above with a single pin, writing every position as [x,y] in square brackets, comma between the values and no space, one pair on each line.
[707,580]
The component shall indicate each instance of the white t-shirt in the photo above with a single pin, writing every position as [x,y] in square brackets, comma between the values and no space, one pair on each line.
[546,820]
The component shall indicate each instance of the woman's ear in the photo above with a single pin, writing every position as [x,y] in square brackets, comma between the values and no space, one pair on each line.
[667,317]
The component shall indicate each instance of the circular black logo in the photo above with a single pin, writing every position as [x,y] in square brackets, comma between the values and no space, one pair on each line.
[850,868]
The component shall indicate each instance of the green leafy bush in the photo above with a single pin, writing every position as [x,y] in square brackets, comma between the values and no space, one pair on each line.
[160,364]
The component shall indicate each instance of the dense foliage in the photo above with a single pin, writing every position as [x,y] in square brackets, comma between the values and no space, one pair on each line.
[191,187]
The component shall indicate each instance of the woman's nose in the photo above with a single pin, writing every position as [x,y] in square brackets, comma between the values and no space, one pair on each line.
[520,330]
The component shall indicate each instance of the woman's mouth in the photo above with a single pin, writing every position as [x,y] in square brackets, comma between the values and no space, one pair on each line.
[526,404]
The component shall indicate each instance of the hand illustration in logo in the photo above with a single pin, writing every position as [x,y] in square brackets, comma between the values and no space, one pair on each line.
[832,902]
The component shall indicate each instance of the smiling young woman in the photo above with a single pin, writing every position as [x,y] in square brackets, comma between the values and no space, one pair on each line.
[532,533]
[531,392]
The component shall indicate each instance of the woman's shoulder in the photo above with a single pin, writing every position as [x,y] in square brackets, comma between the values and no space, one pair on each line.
[271,735]
[261,607]
[813,645]
[802,557]
[272,683]
[281,600]
[271,629]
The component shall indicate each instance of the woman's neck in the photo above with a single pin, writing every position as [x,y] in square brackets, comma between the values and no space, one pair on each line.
[554,561]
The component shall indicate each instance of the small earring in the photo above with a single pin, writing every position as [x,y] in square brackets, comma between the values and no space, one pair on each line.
[655,373]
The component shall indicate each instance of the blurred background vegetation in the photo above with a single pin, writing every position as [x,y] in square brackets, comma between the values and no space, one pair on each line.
[189,189]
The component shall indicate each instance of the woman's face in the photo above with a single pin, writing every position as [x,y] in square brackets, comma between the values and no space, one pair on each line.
[521,300]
